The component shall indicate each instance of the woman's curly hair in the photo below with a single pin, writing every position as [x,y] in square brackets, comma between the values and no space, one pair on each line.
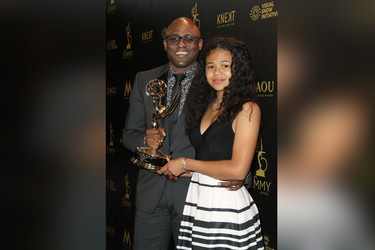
[241,88]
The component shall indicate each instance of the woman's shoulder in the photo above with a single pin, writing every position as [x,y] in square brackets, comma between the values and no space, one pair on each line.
[251,108]
[249,114]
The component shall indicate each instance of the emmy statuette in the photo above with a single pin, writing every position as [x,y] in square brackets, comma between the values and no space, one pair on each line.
[146,157]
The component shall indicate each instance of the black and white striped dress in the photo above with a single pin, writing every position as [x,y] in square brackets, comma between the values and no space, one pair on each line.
[213,217]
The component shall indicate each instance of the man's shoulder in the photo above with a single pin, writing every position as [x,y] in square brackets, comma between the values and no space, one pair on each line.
[155,72]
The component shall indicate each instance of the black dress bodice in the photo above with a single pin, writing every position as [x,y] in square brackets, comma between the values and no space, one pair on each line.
[215,143]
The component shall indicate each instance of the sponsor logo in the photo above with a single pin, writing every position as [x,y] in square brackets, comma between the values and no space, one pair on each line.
[147,36]
[226,19]
[112,45]
[111,91]
[126,240]
[255,12]
[264,11]
[127,89]
[265,88]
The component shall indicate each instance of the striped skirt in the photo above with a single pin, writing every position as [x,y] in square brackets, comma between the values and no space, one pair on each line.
[215,218]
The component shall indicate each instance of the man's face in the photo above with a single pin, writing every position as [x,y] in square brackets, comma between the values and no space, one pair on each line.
[181,55]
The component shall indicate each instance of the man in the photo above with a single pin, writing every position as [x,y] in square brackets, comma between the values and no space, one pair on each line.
[159,201]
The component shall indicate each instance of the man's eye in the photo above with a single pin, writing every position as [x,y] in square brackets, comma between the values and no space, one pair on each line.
[189,39]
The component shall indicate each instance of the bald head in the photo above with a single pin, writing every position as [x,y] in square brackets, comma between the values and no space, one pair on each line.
[183,22]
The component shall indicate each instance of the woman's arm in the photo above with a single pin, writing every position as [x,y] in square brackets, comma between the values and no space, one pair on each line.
[246,127]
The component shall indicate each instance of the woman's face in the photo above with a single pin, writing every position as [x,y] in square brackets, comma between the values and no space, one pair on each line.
[218,69]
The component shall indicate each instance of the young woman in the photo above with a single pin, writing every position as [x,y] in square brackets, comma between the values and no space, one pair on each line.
[223,123]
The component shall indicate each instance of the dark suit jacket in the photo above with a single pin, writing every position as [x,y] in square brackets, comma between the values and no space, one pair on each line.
[150,185]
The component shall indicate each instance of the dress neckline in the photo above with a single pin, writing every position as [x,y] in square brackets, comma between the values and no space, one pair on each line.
[200,131]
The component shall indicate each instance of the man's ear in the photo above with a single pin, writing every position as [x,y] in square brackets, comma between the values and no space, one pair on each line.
[165,44]
[200,44]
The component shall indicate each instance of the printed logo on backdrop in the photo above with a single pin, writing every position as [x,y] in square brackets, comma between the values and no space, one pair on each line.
[265,88]
[226,19]
[128,52]
[266,240]
[112,44]
[111,9]
[126,201]
[111,91]
[126,240]
[110,231]
[194,15]
[127,90]
[147,36]
[111,150]
[260,182]
[111,185]
[263,11]
[164,33]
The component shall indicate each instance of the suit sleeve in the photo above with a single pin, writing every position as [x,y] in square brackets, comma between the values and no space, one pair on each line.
[135,123]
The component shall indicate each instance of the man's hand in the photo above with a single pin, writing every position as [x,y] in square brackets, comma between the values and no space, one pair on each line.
[232,185]
[155,137]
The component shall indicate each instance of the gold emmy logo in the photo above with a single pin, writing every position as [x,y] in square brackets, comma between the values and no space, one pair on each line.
[111,144]
[125,200]
[111,7]
[194,14]
[255,12]
[128,53]
[262,162]
[128,37]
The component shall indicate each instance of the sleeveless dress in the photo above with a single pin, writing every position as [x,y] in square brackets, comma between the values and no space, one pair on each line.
[213,217]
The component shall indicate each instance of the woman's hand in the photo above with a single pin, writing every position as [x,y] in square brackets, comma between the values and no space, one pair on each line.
[173,167]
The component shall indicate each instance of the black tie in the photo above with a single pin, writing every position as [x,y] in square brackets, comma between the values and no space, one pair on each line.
[173,118]
[177,86]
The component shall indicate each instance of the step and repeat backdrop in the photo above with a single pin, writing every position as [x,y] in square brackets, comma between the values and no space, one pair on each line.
[134,43]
